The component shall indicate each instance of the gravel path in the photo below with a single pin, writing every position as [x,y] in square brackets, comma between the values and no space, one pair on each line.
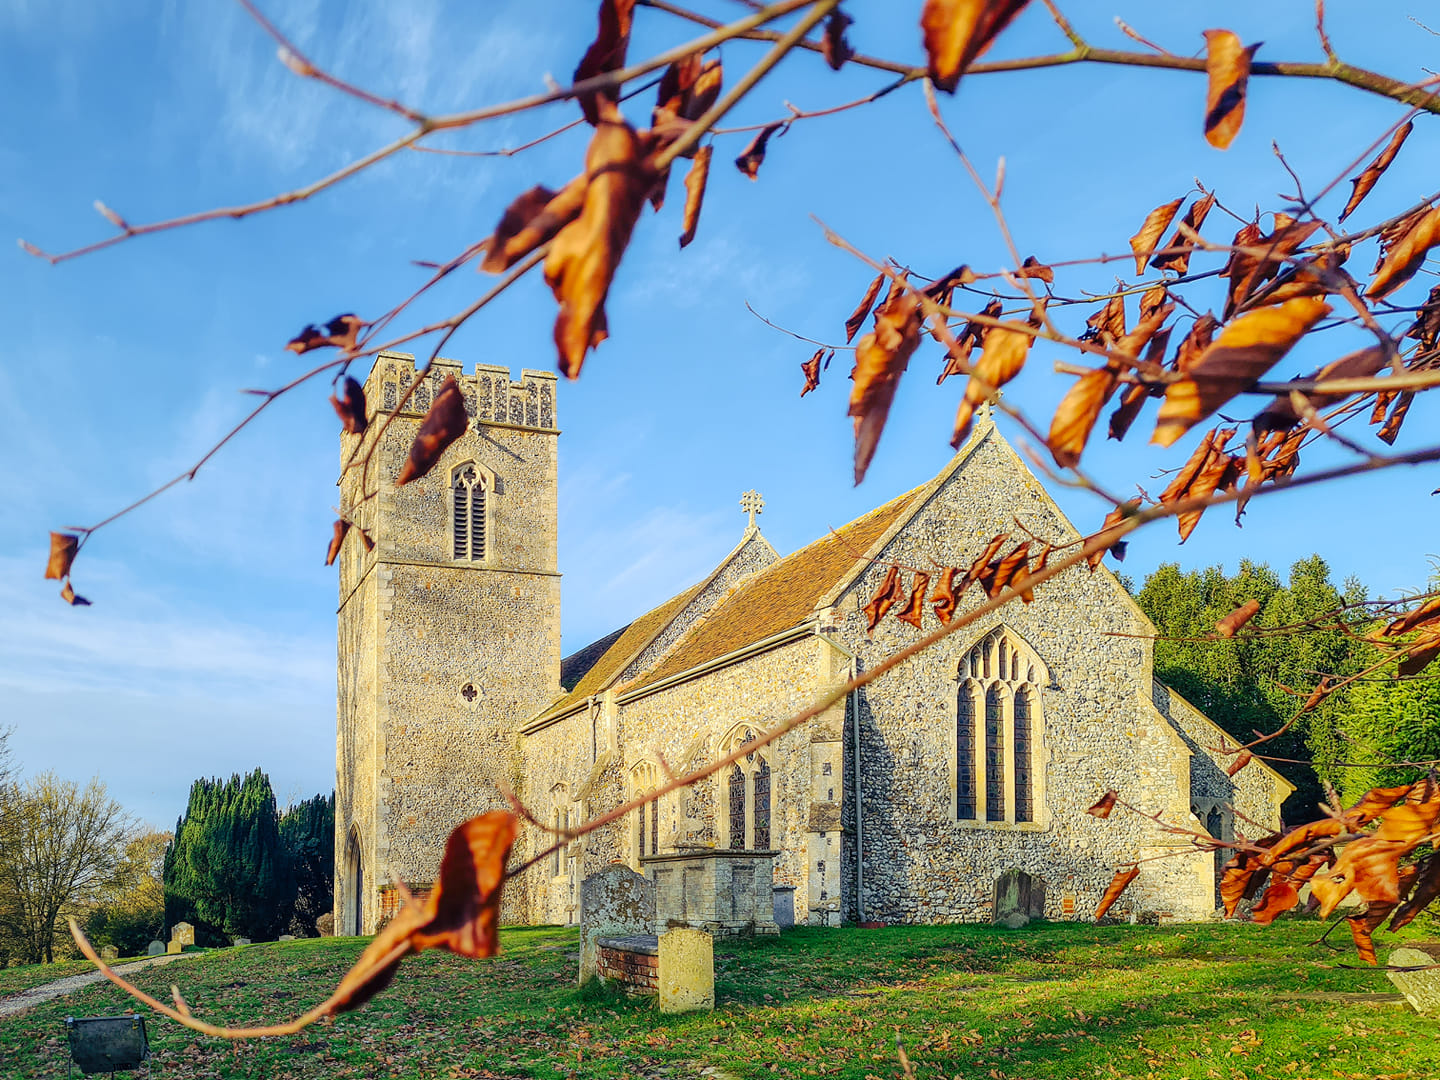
[60,987]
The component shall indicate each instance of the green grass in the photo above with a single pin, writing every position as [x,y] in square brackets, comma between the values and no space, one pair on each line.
[15,979]
[1053,1000]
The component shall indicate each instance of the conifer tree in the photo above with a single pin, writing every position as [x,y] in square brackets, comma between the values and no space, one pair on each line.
[308,832]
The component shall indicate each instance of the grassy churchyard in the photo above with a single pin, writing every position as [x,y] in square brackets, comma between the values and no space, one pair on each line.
[1053,1000]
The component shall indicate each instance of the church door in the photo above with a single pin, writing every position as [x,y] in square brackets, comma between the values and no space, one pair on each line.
[355,902]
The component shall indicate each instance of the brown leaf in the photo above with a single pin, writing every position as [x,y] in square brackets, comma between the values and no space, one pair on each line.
[1227,64]
[443,424]
[883,600]
[1112,519]
[1426,327]
[1227,626]
[340,332]
[63,547]
[1362,926]
[857,317]
[1034,268]
[1078,410]
[585,254]
[606,53]
[1005,570]
[1406,255]
[1108,324]
[1420,655]
[944,599]
[1244,351]
[1248,270]
[1144,242]
[1282,414]
[977,568]
[914,612]
[71,597]
[958,31]
[811,368]
[461,913]
[1369,867]
[1283,892]
[1132,400]
[1027,595]
[836,49]
[1181,245]
[881,357]
[1117,885]
[1221,472]
[687,90]
[351,408]
[341,528]
[1202,332]
[1106,804]
[1241,760]
[695,192]
[1424,891]
[1000,361]
[531,220]
[1421,615]
[1239,875]
[1372,173]
[1204,450]
[1396,417]
[754,155]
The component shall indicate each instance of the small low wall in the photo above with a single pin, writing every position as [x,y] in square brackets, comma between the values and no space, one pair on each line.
[633,962]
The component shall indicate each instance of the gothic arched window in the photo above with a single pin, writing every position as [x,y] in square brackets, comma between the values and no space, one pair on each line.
[746,793]
[645,778]
[467,490]
[998,732]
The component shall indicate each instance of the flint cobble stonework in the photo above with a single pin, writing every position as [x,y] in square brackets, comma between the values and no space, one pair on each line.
[867,812]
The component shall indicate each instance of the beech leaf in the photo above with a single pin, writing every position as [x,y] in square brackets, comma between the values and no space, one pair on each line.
[1227,626]
[753,156]
[443,424]
[857,317]
[811,368]
[333,552]
[1001,359]
[1406,255]
[1181,244]
[883,600]
[1245,350]
[1144,242]
[944,599]
[71,597]
[606,53]
[340,332]
[1372,172]
[1105,805]
[836,49]
[1227,65]
[586,253]
[531,220]
[351,408]
[1118,884]
[63,547]
[695,192]
[881,357]
[914,611]
[958,31]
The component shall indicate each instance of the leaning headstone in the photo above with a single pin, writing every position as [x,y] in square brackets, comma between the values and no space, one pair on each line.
[1018,899]
[286,937]
[1421,988]
[784,906]
[109,952]
[686,974]
[184,933]
[325,924]
[156,948]
[614,902]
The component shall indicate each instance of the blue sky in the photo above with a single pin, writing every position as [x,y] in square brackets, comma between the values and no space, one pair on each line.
[210,647]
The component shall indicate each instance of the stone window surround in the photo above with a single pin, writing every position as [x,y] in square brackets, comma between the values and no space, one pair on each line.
[749,766]
[560,813]
[644,777]
[488,481]
[979,686]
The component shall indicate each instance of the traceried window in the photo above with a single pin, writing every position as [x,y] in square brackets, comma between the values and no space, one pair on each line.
[467,490]
[997,732]
[645,835]
[746,792]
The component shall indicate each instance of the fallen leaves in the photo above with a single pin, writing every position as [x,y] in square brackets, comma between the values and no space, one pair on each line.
[956,32]
[443,424]
[1227,66]
[1244,351]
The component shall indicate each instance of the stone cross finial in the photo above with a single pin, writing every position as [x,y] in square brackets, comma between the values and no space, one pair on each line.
[753,504]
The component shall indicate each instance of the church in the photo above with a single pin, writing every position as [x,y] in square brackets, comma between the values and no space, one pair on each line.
[906,802]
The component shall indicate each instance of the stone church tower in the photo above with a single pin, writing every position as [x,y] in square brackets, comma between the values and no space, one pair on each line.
[449,629]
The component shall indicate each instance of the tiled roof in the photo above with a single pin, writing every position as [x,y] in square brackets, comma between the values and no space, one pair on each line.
[626,644]
[574,666]
[779,596]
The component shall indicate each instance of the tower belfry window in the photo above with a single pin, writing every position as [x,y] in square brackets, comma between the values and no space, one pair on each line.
[467,489]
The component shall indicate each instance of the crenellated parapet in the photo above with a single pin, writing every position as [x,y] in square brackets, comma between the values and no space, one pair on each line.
[492,396]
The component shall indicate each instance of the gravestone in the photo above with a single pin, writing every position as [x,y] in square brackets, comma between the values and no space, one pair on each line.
[723,891]
[156,948]
[286,937]
[109,952]
[686,975]
[1421,988]
[181,934]
[784,906]
[240,941]
[614,902]
[1018,899]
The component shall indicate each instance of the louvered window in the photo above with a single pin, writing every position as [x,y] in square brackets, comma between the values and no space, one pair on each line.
[467,489]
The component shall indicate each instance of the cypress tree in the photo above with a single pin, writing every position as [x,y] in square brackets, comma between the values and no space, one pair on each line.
[308,832]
